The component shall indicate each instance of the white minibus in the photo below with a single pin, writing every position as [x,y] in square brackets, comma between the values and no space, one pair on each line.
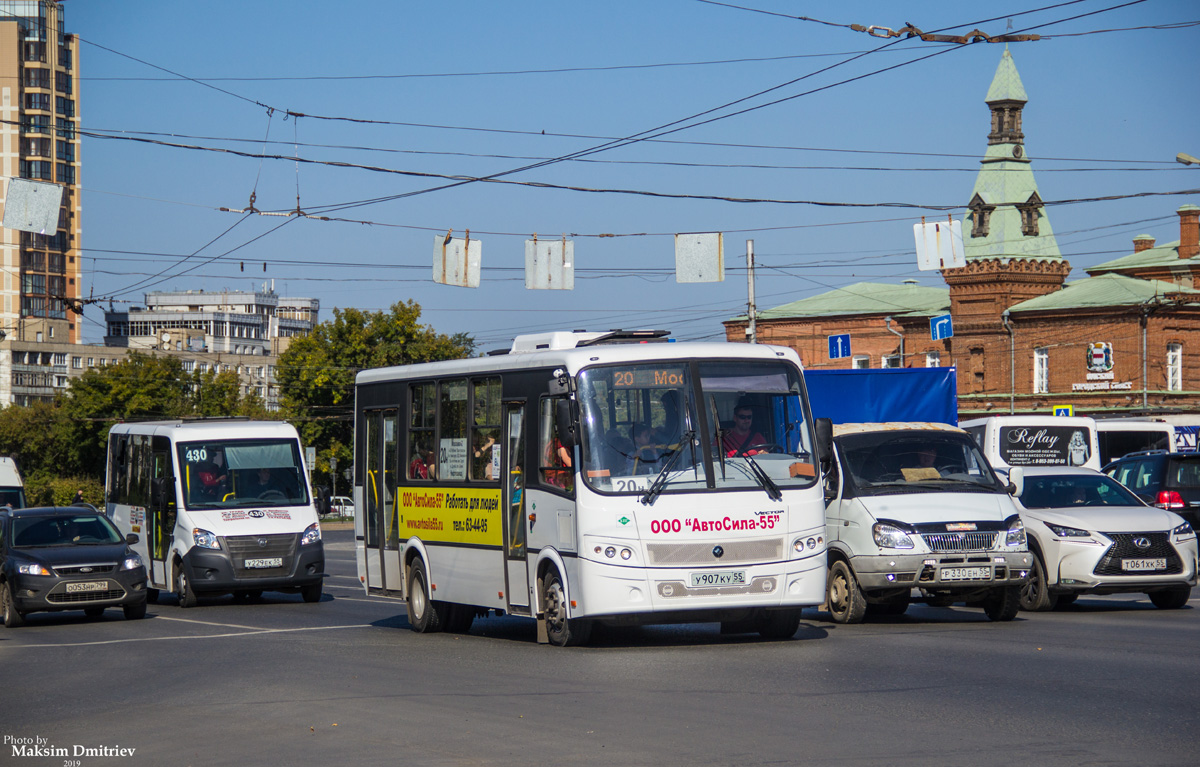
[1121,436]
[585,477]
[1036,440]
[220,506]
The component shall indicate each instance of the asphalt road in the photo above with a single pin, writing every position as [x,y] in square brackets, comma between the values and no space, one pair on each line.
[1111,681]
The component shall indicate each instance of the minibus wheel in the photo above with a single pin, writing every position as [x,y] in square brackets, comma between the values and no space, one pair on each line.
[847,603]
[183,588]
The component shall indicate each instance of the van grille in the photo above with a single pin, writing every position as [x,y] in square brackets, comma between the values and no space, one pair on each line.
[734,552]
[944,543]
[243,547]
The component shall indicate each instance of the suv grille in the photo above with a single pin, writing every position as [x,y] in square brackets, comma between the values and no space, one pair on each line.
[1123,548]
[243,547]
[944,543]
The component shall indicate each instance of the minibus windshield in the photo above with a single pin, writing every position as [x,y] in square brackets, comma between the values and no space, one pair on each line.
[242,473]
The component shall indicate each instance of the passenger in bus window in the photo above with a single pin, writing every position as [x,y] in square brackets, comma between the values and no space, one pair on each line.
[419,468]
[482,468]
[212,475]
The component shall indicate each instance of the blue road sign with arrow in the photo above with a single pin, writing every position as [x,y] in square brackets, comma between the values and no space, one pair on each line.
[941,327]
[839,346]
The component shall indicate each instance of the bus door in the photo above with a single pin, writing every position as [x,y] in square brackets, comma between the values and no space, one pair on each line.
[163,510]
[515,515]
[381,528]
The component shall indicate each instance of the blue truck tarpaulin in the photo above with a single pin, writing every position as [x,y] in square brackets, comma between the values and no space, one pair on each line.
[871,396]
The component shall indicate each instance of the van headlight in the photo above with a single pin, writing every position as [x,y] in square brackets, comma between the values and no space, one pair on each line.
[132,562]
[1015,535]
[312,534]
[204,539]
[890,537]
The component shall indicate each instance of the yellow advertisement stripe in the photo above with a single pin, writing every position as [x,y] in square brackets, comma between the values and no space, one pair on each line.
[452,515]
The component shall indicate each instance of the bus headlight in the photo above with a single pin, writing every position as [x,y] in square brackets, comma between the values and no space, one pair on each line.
[204,539]
[312,534]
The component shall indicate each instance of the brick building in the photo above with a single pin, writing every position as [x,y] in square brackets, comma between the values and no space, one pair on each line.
[1122,341]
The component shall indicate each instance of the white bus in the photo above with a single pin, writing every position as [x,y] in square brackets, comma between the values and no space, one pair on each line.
[220,506]
[576,478]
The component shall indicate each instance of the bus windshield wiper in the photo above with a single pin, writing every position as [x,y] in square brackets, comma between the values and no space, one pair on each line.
[719,444]
[768,484]
[660,481]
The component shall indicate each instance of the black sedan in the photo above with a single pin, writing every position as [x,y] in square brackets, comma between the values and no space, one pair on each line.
[67,559]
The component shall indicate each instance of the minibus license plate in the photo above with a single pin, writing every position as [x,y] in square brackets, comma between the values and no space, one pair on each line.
[1141,565]
[75,588]
[271,562]
[730,578]
[966,573]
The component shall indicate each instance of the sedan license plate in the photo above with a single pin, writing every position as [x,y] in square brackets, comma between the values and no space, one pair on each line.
[729,578]
[85,586]
[1143,565]
[258,563]
[966,573]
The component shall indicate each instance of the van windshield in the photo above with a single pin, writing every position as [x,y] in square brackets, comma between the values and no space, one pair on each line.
[889,462]
[242,474]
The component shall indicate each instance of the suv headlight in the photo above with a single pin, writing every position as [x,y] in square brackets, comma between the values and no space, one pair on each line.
[1068,532]
[890,537]
[1015,535]
[33,569]
[205,539]
[132,562]
[1184,531]
[312,534]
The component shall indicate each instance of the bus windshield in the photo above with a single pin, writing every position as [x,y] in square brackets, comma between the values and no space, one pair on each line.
[695,426]
[242,473]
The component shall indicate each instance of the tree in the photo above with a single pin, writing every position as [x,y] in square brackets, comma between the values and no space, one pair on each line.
[68,438]
[316,373]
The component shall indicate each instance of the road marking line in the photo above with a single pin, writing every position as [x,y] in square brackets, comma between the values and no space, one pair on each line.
[257,632]
[207,623]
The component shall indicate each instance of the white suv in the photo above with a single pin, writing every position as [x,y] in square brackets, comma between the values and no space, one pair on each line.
[1090,534]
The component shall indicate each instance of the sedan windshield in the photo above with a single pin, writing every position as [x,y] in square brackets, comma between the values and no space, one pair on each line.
[242,473]
[1058,491]
[678,425]
[883,462]
[63,530]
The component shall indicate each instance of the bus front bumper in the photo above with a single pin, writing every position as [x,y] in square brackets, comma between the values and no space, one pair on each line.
[612,590]
[218,571]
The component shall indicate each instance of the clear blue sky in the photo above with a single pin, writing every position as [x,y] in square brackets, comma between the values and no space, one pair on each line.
[466,90]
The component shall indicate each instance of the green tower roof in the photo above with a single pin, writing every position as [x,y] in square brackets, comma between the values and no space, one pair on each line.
[1006,85]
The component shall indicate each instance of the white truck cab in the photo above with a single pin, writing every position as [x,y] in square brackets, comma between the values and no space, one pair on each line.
[916,506]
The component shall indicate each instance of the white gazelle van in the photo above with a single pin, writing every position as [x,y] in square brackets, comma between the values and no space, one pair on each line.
[220,506]
[1036,440]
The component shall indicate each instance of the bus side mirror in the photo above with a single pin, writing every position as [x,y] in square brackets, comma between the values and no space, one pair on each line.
[564,423]
[824,428]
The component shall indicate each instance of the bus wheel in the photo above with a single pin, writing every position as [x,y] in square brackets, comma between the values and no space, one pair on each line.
[847,603]
[779,624]
[183,588]
[422,618]
[561,630]
[312,593]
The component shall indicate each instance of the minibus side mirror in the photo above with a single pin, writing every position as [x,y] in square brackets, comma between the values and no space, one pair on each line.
[564,423]
[824,429]
[162,491]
